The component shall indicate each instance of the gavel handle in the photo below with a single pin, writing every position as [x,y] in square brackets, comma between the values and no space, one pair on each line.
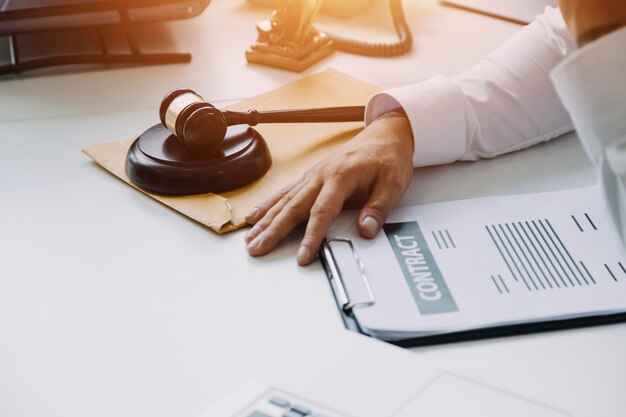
[321,115]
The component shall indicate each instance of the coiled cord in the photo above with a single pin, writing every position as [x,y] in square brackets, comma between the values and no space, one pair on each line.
[402,46]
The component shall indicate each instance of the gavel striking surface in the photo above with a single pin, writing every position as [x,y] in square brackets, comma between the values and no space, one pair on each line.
[159,162]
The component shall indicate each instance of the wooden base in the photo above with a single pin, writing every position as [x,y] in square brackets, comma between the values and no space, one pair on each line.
[159,162]
[286,62]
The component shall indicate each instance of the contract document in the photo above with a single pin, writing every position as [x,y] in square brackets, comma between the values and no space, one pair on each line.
[480,263]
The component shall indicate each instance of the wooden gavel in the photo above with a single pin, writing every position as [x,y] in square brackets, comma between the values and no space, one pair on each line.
[201,126]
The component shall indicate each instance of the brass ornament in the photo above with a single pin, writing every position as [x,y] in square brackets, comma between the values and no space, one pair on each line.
[288,40]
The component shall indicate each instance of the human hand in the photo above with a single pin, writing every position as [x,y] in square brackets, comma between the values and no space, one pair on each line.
[589,20]
[371,171]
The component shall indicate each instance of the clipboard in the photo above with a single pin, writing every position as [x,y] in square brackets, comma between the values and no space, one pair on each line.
[346,305]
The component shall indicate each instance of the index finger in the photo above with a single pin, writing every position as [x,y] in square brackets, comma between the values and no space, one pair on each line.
[261,209]
[327,207]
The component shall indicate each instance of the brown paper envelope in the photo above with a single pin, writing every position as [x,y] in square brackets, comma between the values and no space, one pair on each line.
[294,148]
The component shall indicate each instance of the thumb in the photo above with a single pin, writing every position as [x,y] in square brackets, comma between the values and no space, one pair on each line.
[384,197]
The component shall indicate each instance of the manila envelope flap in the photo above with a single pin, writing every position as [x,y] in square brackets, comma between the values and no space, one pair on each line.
[294,148]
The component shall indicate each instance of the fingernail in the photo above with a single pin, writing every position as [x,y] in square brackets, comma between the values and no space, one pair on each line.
[253,212]
[255,242]
[370,225]
[303,254]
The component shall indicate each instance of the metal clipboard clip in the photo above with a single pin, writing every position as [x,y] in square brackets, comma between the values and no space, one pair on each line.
[336,279]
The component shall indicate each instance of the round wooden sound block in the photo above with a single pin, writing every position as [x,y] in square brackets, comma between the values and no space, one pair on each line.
[159,162]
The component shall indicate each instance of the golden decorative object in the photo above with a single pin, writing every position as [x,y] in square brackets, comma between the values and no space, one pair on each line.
[288,40]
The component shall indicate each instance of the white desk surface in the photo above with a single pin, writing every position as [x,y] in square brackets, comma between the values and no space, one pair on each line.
[112,304]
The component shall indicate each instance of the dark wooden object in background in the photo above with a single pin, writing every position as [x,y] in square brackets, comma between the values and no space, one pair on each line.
[74,17]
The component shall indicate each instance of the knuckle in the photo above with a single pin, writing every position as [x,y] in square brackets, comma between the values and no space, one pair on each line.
[289,190]
[263,224]
[395,186]
[322,209]
[266,205]
[284,191]
[378,208]
[287,199]
[274,199]
[338,171]
[266,221]
[292,210]
[346,176]
[313,238]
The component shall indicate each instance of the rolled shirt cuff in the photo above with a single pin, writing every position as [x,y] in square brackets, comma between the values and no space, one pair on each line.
[435,109]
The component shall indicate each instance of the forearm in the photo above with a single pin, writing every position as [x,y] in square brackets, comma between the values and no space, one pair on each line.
[504,103]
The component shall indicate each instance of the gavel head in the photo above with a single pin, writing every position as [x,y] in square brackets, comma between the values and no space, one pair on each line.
[198,124]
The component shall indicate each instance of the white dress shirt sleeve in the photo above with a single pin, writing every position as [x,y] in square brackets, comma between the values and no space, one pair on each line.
[592,85]
[505,103]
